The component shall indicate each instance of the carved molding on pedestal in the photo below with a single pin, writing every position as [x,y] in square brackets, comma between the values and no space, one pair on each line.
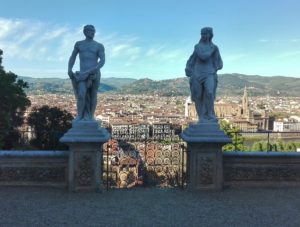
[85,171]
[206,170]
[205,141]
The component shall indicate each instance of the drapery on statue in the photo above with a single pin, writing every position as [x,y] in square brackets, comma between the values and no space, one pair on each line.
[201,68]
[86,81]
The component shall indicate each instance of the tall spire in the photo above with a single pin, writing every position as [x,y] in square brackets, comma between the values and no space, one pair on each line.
[245,103]
[245,98]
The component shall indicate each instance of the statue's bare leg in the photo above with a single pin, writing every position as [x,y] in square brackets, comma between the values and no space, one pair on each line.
[87,109]
[200,108]
[216,85]
[209,90]
[81,100]
[93,95]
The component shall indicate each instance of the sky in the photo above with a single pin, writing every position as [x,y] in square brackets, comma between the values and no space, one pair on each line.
[151,38]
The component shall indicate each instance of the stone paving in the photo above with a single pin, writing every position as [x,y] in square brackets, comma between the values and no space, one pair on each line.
[39,206]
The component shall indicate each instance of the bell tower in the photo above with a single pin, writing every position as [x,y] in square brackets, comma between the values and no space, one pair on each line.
[245,104]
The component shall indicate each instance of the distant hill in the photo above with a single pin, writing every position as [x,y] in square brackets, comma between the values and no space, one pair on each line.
[229,84]
[57,85]
[117,82]
[172,87]
[233,84]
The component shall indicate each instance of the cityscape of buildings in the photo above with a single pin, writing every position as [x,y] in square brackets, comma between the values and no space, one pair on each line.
[146,129]
[136,117]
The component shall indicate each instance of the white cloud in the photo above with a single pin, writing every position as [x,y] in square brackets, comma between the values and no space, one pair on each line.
[117,50]
[171,55]
[8,27]
[233,57]
[44,48]
[155,50]
[293,40]
[34,40]
[54,33]
[167,54]
[289,54]
[30,40]
[123,48]
[263,40]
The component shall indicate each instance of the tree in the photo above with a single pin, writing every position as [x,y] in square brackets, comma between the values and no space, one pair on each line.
[279,145]
[266,146]
[274,147]
[237,139]
[13,104]
[290,146]
[49,124]
[257,146]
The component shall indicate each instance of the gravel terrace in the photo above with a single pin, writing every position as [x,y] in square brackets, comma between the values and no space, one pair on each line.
[39,206]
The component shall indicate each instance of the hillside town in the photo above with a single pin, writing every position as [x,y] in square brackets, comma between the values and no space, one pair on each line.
[135,117]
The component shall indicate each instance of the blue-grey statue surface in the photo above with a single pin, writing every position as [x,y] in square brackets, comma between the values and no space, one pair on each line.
[86,81]
[201,68]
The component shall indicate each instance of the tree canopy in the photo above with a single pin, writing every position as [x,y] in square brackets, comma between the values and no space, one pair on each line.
[13,104]
[49,124]
[237,139]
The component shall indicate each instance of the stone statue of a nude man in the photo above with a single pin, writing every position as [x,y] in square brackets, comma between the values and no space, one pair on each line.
[86,81]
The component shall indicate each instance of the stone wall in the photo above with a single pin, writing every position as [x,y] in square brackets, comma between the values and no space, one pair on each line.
[34,168]
[261,169]
[241,169]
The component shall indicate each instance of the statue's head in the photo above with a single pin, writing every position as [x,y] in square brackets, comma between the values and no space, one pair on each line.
[89,31]
[207,34]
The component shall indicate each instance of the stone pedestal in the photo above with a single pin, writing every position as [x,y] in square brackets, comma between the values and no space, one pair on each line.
[205,164]
[85,140]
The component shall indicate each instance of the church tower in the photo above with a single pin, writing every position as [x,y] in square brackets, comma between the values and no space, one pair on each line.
[245,104]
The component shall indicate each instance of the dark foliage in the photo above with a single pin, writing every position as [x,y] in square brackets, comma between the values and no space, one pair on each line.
[49,124]
[13,103]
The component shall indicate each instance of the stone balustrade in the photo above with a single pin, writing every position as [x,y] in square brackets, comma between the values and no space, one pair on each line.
[240,169]
[261,169]
[34,168]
